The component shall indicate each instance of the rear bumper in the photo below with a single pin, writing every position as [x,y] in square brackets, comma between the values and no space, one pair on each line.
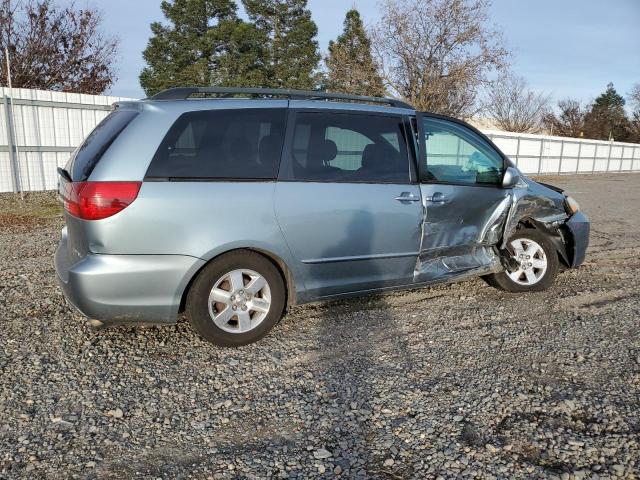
[125,288]
[579,228]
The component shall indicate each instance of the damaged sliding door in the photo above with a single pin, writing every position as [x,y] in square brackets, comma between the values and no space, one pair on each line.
[464,203]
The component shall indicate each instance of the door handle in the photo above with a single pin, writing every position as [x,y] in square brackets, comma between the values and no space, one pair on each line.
[407,197]
[437,197]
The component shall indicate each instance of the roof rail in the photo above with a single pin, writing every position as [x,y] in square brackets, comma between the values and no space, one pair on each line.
[182,93]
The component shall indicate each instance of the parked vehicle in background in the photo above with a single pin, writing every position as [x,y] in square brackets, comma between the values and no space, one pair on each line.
[233,209]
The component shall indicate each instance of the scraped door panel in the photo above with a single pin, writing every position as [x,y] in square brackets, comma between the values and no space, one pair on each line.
[462,225]
[461,176]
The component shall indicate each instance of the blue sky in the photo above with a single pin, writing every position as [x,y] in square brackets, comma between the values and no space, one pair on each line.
[568,48]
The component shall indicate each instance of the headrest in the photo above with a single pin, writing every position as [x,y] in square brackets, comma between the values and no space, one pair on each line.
[323,152]
[372,156]
[327,149]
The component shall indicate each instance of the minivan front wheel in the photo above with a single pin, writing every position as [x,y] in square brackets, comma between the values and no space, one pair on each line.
[537,263]
[236,299]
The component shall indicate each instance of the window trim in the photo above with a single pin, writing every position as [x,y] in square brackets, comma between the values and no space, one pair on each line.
[270,179]
[422,159]
[93,162]
[285,159]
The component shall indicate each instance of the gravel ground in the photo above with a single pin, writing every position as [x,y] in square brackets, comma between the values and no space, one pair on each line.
[451,381]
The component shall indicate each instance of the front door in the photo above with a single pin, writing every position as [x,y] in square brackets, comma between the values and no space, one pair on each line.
[346,201]
[461,182]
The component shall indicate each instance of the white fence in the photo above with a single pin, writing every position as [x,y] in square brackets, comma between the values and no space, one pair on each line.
[38,132]
[40,129]
[547,155]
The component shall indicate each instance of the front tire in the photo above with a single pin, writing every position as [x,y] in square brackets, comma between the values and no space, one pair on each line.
[538,263]
[236,299]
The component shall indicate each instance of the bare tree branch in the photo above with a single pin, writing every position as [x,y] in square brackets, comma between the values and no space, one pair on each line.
[56,48]
[436,54]
[514,107]
[570,121]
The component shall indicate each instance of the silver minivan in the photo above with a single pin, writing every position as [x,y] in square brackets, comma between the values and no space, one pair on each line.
[233,204]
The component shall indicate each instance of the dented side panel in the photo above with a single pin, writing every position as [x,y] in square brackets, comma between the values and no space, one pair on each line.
[533,201]
[463,235]
[459,233]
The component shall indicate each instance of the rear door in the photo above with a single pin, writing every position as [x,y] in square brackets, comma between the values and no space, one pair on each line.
[461,183]
[347,200]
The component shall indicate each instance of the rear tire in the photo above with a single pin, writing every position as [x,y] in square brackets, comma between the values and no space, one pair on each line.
[236,299]
[539,263]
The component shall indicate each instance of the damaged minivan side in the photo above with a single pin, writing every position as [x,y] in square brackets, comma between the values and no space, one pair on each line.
[236,204]
[484,218]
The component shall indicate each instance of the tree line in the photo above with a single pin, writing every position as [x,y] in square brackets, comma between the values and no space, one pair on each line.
[436,54]
[441,56]
[514,107]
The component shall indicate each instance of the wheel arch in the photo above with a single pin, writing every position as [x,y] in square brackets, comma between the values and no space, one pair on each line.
[283,269]
[555,234]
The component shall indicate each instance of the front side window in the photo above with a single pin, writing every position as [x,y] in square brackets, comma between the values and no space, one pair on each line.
[222,144]
[342,147]
[456,154]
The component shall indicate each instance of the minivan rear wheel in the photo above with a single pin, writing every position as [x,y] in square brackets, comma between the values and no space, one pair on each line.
[537,262]
[236,299]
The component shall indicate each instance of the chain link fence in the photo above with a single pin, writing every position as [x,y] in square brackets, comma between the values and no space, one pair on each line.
[40,129]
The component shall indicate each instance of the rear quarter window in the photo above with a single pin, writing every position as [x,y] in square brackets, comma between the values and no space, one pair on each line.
[89,153]
[243,144]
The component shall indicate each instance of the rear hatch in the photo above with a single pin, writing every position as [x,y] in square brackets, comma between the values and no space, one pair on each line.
[84,200]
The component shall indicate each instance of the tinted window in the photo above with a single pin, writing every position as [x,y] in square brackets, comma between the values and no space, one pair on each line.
[96,144]
[222,144]
[337,147]
[456,154]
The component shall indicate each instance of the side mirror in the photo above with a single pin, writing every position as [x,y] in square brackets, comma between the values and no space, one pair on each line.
[511,178]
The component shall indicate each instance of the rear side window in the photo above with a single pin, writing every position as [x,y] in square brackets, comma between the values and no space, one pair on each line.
[88,155]
[222,144]
[342,147]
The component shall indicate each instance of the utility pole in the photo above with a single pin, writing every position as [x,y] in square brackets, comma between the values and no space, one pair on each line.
[11,127]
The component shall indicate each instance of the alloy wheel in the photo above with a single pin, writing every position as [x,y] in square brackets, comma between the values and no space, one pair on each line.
[532,262]
[239,301]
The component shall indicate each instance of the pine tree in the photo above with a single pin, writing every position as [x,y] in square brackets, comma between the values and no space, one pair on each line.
[205,44]
[289,38]
[351,68]
[607,118]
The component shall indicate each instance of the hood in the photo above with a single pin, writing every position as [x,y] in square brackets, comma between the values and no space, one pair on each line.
[545,189]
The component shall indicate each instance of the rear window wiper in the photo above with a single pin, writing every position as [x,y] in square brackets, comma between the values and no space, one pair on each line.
[64,174]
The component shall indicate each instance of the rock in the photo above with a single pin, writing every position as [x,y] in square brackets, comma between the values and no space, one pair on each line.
[117,413]
[322,453]
[618,470]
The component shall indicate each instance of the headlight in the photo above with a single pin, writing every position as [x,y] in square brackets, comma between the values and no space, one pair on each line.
[571,205]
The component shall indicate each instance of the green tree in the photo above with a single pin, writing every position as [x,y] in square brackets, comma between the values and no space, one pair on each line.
[291,56]
[204,44]
[607,118]
[350,65]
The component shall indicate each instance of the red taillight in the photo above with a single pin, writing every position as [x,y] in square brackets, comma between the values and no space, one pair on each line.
[97,200]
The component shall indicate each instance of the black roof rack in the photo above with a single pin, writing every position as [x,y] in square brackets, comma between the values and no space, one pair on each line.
[182,93]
